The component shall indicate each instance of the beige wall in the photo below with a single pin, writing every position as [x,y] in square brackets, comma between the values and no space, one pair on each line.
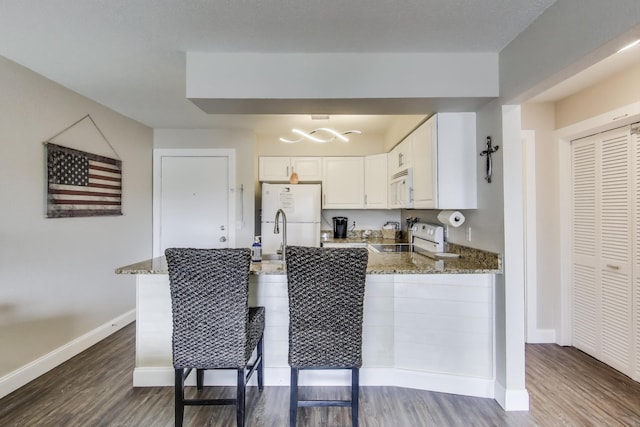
[617,91]
[539,117]
[57,280]
[399,128]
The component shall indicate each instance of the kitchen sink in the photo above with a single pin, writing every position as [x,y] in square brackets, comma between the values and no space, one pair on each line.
[391,247]
[272,257]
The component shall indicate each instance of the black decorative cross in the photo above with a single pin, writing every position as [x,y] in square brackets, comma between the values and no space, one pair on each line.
[488,152]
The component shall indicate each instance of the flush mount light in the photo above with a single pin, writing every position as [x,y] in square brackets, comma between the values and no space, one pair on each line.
[319,135]
[630,45]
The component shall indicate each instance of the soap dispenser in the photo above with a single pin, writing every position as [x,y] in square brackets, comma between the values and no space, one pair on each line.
[256,250]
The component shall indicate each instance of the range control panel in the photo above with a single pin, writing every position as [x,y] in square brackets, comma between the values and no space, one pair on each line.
[429,237]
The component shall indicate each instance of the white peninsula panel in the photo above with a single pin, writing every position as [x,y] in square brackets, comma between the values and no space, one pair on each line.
[424,331]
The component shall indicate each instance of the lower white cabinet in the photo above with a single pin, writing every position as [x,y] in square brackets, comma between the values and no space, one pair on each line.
[342,183]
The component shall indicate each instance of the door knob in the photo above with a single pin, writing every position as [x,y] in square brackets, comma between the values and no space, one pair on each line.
[222,227]
[223,239]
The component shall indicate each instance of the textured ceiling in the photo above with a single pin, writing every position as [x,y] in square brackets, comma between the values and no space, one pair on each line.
[130,54]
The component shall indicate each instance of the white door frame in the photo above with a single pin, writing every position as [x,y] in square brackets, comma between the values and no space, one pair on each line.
[616,118]
[158,154]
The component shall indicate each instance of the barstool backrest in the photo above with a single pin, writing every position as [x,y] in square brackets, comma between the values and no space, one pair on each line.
[209,294]
[326,296]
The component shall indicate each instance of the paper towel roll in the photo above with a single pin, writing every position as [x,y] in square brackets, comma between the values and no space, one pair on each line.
[452,218]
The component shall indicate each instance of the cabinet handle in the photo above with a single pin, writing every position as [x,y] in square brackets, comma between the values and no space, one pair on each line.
[410,194]
[287,170]
[613,267]
[400,159]
[365,200]
[324,200]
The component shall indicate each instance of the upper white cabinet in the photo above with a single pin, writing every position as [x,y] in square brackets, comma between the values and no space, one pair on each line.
[274,168]
[307,168]
[424,175]
[444,162]
[400,157]
[375,181]
[281,168]
[342,183]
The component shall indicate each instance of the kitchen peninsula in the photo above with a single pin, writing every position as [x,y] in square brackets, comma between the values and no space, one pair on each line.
[428,323]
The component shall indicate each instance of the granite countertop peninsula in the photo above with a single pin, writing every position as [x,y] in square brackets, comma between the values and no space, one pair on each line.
[471,261]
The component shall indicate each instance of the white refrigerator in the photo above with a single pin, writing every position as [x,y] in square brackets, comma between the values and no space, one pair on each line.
[301,205]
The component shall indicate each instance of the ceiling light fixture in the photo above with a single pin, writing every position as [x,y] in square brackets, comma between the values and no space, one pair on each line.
[630,45]
[329,135]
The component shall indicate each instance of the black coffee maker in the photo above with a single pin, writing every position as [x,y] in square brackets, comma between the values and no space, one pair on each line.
[340,224]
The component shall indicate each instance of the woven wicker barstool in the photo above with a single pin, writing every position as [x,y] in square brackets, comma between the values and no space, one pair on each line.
[326,296]
[213,326]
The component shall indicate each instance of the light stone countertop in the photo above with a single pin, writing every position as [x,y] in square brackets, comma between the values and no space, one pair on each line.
[471,261]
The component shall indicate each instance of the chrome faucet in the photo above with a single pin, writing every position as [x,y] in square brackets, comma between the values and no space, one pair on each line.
[276,230]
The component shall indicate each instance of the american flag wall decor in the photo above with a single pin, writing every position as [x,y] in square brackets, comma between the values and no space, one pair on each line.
[82,184]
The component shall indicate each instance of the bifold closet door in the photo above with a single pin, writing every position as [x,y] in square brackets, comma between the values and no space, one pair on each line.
[603,169]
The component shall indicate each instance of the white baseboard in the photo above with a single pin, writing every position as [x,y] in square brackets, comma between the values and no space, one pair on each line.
[511,400]
[442,383]
[23,375]
[541,336]
[164,377]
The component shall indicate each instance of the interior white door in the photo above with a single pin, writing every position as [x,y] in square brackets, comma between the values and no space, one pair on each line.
[194,202]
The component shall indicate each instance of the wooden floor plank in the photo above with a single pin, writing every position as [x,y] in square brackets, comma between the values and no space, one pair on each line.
[566,387]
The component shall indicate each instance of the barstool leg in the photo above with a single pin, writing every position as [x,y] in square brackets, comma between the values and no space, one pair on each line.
[293,403]
[179,397]
[355,395]
[199,379]
[240,398]
[260,365]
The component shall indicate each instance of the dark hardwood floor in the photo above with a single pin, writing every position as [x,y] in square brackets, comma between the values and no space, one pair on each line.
[567,388]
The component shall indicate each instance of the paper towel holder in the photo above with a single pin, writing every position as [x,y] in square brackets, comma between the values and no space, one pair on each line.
[489,165]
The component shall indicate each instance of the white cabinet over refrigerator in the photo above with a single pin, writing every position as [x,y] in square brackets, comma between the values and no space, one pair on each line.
[301,205]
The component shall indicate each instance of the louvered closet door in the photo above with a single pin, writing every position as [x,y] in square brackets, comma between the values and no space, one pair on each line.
[602,205]
[615,244]
[586,313]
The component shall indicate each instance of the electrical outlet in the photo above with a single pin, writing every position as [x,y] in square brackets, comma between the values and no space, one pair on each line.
[353,226]
[468,230]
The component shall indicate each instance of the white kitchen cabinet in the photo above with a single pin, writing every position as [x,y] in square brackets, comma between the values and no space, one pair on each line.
[307,168]
[424,175]
[400,157]
[342,182]
[274,168]
[444,162]
[375,182]
[279,169]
